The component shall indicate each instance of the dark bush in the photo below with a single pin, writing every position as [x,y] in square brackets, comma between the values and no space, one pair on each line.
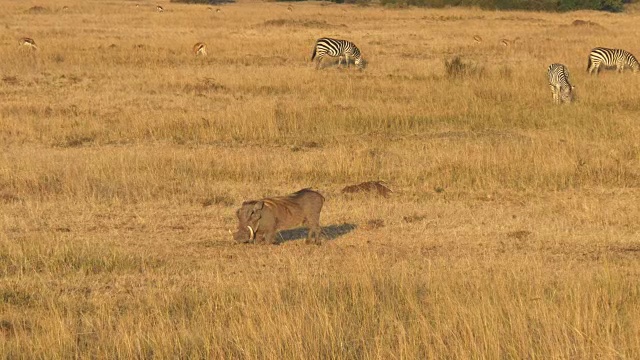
[359,2]
[612,5]
[431,3]
[534,5]
[209,2]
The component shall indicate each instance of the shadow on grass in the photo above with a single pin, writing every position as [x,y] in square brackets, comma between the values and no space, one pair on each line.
[330,232]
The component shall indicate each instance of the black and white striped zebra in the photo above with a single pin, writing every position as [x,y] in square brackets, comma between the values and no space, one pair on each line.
[559,83]
[339,48]
[610,58]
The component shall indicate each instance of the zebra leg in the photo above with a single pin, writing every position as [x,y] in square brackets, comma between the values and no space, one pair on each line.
[318,60]
[554,93]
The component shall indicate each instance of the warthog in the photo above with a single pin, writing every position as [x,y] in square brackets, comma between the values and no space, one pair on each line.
[259,220]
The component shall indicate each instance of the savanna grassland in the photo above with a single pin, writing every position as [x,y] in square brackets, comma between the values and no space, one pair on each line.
[513,230]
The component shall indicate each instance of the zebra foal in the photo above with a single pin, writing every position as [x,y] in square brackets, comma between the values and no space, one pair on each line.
[337,48]
[610,58]
[559,83]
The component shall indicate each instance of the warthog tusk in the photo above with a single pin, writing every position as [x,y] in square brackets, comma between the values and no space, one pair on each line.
[253,234]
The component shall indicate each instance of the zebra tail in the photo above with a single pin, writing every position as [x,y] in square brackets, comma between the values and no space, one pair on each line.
[589,64]
[313,56]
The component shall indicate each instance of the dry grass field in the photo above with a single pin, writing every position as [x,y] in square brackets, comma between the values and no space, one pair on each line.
[513,231]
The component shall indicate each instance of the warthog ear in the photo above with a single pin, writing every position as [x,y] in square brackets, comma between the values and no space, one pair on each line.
[258,206]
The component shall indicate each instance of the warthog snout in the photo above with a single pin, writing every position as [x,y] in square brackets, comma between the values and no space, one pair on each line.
[249,217]
[244,235]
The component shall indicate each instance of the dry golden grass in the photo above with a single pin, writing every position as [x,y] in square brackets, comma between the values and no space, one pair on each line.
[512,231]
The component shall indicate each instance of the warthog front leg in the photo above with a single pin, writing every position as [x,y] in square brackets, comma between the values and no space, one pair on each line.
[270,238]
[314,233]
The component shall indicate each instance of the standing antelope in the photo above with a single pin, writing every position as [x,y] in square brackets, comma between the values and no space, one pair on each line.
[200,49]
[506,42]
[28,42]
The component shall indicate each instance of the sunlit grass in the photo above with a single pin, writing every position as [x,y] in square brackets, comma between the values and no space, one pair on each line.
[512,230]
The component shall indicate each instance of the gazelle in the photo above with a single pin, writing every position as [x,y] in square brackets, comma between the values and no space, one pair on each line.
[200,49]
[159,8]
[28,42]
[477,38]
[290,8]
[507,42]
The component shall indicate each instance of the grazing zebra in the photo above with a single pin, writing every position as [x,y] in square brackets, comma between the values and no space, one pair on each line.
[559,83]
[200,49]
[28,42]
[339,48]
[611,57]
